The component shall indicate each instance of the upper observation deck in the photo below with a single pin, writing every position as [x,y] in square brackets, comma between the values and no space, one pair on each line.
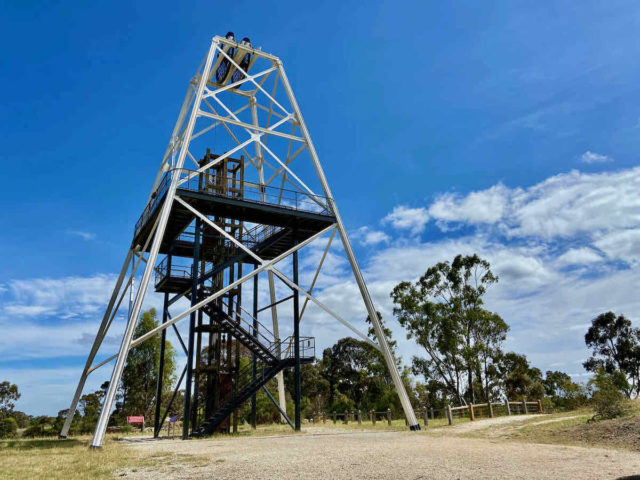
[292,215]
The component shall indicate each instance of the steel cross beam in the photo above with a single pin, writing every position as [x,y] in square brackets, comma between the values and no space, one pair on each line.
[277,172]
[219,293]
[256,137]
[253,81]
[282,276]
[247,78]
[238,123]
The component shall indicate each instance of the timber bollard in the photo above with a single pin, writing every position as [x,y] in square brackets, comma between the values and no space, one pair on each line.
[471,415]
[335,418]
[524,406]
[449,415]
[426,417]
[373,417]
[324,418]
[490,410]
[432,414]
[389,416]
[359,417]
[346,417]
[539,406]
[506,402]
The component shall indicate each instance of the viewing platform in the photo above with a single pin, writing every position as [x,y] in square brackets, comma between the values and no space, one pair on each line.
[283,217]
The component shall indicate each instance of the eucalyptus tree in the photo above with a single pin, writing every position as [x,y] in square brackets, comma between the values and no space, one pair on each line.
[443,312]
[615,346]
[140,375]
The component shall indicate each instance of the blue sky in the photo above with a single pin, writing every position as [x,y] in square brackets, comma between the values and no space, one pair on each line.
[507,129]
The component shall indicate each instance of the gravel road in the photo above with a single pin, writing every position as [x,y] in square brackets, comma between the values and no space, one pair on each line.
[378,455]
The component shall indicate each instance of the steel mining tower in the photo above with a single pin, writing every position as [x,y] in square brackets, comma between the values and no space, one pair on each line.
[228,212]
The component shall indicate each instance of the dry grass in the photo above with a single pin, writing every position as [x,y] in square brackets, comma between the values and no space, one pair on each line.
[71,459]
[63,459]
[617,433]
[568,428]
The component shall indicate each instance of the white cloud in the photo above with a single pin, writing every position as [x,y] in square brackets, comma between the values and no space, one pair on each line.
[485,206]
[620,245]
[27,310]
[83,235]
[592,157]
[65,297]
[369,237]
[407,218]
[562,206]
[579,256]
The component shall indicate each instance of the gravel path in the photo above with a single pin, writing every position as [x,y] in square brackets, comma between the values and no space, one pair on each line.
[378,455]
[491,423]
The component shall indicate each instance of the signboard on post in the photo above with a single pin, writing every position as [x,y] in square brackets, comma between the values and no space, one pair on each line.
[136,419]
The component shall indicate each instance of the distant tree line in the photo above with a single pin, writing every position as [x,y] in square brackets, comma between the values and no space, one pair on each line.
[464,362]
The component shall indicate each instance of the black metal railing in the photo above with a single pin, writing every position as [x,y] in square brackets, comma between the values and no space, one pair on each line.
[153,203]
[245,374]
[180,268]
[193,180]
[259,234]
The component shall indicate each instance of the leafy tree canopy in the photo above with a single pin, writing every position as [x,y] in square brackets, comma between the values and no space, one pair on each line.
[615,346]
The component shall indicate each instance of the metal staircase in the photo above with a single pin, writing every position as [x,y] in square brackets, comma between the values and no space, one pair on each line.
[272,356]
[249,385]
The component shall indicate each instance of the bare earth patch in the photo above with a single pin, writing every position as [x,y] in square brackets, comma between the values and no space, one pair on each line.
[378,455]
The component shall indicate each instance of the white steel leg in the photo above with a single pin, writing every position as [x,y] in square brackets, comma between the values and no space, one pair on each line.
[105,413]
[373,315]
[282,400]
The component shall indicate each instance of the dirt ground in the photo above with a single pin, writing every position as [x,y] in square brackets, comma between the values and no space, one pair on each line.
[330,453]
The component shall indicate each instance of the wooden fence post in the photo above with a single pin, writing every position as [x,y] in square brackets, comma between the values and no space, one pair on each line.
[432,414]
[335,418]
[359,417]
[539,406]
[426,417]
[449,415]
[490,410]
[506,402]
[324,417]
[524,405]
[471,415]
[373,417]
[389,416]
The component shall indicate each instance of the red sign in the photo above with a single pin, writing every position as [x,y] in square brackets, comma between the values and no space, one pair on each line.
[135,419]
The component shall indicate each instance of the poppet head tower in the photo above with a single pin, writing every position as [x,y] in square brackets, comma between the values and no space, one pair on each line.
[239,195]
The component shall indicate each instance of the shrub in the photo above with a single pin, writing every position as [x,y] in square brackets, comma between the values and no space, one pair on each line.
[608,398]
[8,427]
